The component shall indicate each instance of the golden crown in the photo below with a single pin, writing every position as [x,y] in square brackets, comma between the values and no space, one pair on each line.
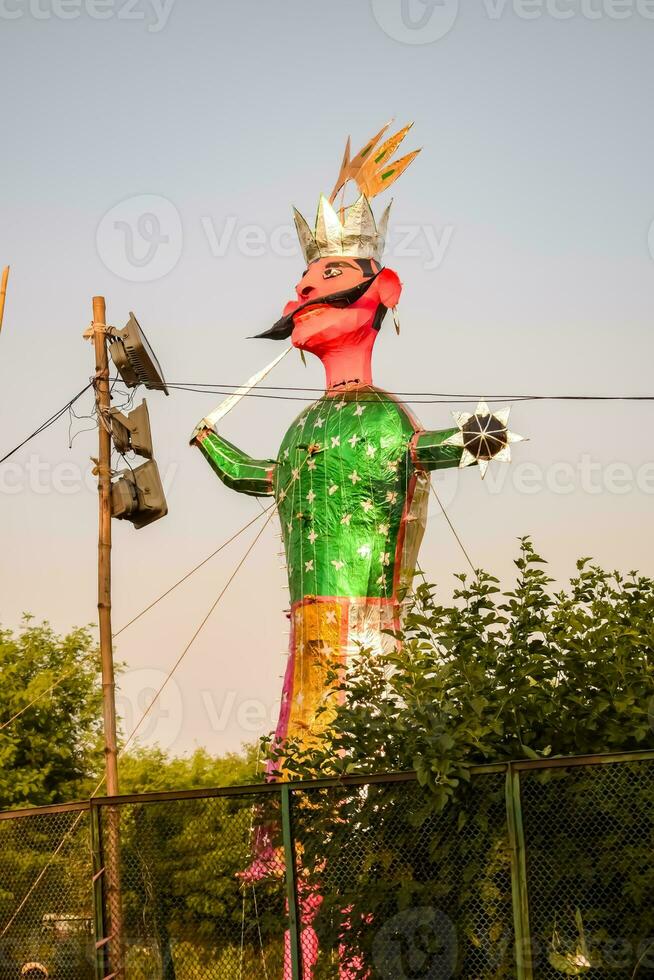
[353,230]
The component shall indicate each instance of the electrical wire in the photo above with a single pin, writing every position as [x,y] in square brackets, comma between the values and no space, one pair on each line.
[35,700]
[199,629]
[192,571]
[57,850]
[416,394]
[48,422]
[409,398]
[454,531]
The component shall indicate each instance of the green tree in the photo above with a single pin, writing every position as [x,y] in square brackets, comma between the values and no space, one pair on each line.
[183,900]
[52,751]
[151,770]
[492,676]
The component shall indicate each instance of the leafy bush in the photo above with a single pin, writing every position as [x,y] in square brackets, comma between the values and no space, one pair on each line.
[493,676]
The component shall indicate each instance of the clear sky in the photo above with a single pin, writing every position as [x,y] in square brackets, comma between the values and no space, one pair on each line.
[522,234]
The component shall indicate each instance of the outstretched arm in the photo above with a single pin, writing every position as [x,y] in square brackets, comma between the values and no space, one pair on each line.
[236,469]
[430,451]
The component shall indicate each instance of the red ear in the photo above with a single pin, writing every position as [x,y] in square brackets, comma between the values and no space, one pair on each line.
[389,287]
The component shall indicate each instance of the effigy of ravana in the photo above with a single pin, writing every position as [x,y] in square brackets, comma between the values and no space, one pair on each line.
[351,477]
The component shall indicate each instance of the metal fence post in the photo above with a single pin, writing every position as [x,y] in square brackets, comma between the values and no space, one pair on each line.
[519,886]
[291,883]
[99,934]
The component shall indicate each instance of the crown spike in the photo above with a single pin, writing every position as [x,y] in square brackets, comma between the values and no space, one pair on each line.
[329,229]
[382,228]
[359,229]
[307,238]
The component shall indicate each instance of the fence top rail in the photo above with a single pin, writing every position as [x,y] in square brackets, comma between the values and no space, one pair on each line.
[257,789]
[34,811]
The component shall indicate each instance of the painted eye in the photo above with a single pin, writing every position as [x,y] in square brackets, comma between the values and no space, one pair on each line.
[331,273]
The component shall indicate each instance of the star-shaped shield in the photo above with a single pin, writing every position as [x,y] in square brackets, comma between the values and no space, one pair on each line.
[483,436]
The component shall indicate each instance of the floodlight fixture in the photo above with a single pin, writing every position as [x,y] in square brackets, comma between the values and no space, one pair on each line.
[132,431]
[138,495]
[134,359]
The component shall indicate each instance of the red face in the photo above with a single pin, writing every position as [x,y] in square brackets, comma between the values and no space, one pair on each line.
[321,326]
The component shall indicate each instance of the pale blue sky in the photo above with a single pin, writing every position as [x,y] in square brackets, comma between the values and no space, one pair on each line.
[535,182]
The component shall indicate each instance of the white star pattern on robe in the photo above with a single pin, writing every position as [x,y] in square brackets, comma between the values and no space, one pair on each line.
[367,505]
[311,464]
[330,617]
[338,564]
[336,441]
[353,440]
[311,496]
[318,424]
[345,519]
[312,537]
[333,489]
[359,410]
[308,565]
[354,476]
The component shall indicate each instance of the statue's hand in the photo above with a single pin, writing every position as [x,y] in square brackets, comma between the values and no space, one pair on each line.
[483,436]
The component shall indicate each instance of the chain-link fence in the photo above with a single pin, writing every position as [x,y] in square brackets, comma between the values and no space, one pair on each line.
[542,869]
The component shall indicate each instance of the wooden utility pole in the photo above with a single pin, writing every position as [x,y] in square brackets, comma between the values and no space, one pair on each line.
[112,850]
[3,292]
[103,405]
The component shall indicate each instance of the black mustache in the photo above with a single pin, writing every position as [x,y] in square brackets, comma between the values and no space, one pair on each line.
[283,329]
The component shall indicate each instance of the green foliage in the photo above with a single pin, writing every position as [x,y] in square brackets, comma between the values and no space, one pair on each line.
[151,770]
[52,752]
[493,676]
[498,675]
[183,900]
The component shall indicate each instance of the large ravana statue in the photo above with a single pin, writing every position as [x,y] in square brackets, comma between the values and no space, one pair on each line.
[351,477]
